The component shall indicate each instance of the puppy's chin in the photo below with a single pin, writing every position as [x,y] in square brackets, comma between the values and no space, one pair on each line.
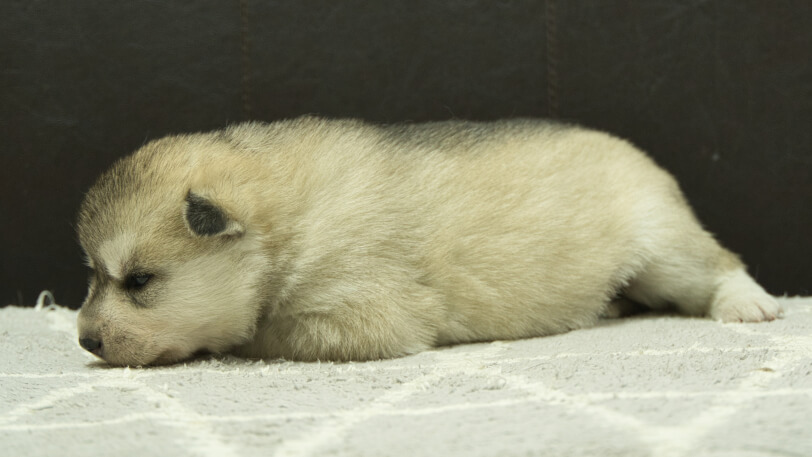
[171,356]
[166,357]
[149,356]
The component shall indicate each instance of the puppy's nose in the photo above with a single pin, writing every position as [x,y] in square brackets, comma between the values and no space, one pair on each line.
[91,345]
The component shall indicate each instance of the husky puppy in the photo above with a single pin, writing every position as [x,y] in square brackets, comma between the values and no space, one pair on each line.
[316,239]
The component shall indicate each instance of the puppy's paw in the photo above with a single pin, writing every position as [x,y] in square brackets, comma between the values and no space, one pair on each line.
[739,299]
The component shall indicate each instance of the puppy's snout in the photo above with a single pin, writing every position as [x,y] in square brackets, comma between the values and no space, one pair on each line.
[91,345]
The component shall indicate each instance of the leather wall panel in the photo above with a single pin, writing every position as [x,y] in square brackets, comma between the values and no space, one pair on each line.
[719,92]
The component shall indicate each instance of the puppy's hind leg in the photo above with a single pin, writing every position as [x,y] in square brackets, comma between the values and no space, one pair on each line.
[739,298]
[620,307]
[686,268]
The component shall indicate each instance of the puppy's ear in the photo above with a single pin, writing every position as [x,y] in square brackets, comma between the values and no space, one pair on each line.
[204,218]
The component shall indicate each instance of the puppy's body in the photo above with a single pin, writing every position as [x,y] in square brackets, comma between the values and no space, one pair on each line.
[337,240]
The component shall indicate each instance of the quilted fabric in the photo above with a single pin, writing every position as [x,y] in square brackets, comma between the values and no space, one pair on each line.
[651,385]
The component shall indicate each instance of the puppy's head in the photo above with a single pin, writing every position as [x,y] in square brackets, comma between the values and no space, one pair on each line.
[174,264]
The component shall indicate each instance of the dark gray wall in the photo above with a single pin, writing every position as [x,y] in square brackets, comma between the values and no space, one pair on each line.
[719,92]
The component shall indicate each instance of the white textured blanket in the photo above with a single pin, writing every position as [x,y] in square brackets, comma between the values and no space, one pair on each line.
[644,386]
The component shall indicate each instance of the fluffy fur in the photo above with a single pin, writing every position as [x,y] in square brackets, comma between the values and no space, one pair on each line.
[315,239]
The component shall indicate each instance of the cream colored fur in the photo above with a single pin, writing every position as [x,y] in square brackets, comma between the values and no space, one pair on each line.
[348,241]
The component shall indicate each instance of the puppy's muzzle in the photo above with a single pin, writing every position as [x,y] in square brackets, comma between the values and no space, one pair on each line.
[91,345]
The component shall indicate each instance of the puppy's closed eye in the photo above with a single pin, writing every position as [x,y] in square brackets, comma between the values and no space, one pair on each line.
[137,281]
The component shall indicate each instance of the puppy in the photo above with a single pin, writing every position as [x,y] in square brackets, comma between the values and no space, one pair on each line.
[316,239]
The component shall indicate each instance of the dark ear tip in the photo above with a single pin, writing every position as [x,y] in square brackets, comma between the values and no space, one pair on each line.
[203,217]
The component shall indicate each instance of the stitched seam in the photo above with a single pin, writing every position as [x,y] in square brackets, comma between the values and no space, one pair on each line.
[245,52]
[551,24]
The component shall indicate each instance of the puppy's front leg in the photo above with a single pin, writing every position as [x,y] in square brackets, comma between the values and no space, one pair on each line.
[373,322]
